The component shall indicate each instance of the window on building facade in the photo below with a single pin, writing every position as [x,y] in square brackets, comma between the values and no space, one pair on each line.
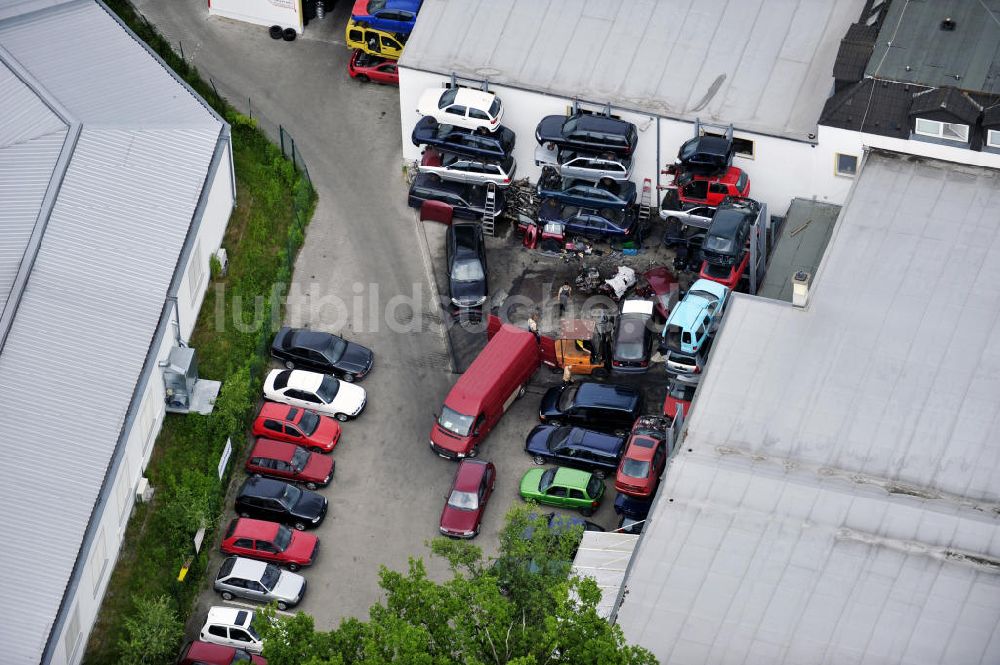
[950,131]
[71,634]
[742,147]
[98,561]
[196,271]
[993,138]
[845,165]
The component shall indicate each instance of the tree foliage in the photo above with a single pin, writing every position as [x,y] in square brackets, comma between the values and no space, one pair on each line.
[151,632]
[521,608]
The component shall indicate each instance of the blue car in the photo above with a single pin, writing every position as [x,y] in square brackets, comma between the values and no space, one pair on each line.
[601,406]
[575,447]
[604,194]
[695,317]
[600,224]
[497,145]
[396,16]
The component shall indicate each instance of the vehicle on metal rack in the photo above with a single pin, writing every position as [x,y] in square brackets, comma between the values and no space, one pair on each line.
[706,154]
[270,541]
[645,457]
[367,67]
[374,42]
[278,501]
[582,166]
[584,193]
[693,189]
[462,107]
[286,461]
[563,487]
[256,580]
[575,447]
[688,365]
[462,515]
[462,168]
[497,145]
[725,250]
[680,392]
[633,343]
[396,16]
[318,392]
[586,132]
[291,424]
[232,627]
[602,406]
[321,352]
[696,317]
[698,216]
[467,201]
[601,224]
[466,255]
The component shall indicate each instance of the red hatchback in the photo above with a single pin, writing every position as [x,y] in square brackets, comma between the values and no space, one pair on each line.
[644,459]
[270,541]
[366,67]
[281,422]
[463,512]
[679,396]
[286,461]
[728,276]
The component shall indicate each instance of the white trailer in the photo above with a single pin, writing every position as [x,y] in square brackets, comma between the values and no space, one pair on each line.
[286,13]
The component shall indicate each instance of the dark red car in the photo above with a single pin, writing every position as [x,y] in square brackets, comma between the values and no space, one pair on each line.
[205,653]
[286,461]
[463,512]
[663,288]
[281,422]
[270,541]
[679,396]
[366,67]
[645,456]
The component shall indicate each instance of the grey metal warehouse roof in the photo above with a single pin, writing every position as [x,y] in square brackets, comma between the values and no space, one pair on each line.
[103,157]
[765,66]
[837,496]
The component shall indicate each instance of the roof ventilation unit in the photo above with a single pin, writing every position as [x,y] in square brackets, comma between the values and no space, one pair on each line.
[800,288]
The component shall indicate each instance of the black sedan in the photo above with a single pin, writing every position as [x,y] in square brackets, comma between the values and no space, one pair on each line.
[467,281]
[604,194]
[576,447]
[322,352]
[278,501]
[588,133]
[497,145]
[706,155]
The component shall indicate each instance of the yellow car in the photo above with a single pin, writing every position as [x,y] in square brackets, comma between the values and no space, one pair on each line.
[375,42]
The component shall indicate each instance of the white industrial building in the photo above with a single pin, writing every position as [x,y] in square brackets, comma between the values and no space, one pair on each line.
[836,494]
[116,185]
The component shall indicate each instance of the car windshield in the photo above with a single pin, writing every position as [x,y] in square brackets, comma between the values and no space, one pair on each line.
[447,98]
[469,270]
[495,107]
[291,495]
[634,468]
[375,5]
[283,539]
[455,422]
[546,480]
[328,389]
[309,423]
[631,338]
[594,487]
[270,577]
[463,500]
[559,437]
[335,351]
[714,243]
[299,459]
[567,398]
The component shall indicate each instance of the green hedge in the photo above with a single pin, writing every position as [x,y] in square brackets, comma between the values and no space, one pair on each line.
[267,228]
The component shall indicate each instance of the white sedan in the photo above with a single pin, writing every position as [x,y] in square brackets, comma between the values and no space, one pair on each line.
[462,107]
[317,392]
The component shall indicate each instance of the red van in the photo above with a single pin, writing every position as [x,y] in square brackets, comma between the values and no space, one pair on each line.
[477,401]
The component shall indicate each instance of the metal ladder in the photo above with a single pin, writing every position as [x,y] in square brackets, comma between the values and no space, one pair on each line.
[490,209]
[646,201]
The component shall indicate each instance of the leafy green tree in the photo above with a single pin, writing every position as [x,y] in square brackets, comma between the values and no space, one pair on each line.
[522,608]
[151,633]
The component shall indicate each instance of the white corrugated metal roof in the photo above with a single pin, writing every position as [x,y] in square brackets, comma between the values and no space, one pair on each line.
[124,162]
[603,557]
[837,496]
[763,65]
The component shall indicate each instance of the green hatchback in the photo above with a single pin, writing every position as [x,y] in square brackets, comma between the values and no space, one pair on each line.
[566,488]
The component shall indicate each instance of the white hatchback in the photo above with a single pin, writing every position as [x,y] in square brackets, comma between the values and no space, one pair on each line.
[231,627]
[462,107]
[317,392]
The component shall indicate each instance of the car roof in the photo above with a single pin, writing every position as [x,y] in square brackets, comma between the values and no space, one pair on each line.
[591,440]
[638,307]
[248,568]
[571,477]
[300,379]
[208,651]
[720,291]
[308,339]
[600,123]
[639,452]
[604,394]
[231,616]
[727,221]
[435,182]
[273,449]
[474,98]
[267,487]
[246,527]
[411,5]
[469,474]
[277,410]
[687,313]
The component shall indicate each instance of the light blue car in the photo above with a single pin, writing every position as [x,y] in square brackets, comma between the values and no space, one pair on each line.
[695,318]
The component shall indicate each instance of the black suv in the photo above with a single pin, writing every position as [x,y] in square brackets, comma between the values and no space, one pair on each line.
[706,155]
[576,447]
[605,407]
[466,264]
[727,236]
[596,134]
[321,352]
[497,145]
[278,501]
[467,201]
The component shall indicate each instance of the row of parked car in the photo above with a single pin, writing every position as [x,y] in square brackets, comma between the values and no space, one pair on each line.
[296,429]
[377,32]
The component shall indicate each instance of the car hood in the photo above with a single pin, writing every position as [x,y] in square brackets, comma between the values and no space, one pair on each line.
[319,467]
[356,358]
[302,549]
[328,431]
[310,506]
[537,442]
[349,398]
[289,587]
[550,128]
[468,291]
[453,519]
[529,482]
[428,103]
[549,406]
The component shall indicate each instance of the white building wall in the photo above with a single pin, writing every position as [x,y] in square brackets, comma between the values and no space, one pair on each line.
[103,555]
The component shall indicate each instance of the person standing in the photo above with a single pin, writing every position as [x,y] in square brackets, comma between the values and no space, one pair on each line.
[564,293]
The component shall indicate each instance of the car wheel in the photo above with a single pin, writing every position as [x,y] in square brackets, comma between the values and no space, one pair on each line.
[282,605]
[226,595]
[474,452]
[342,417]
[600,475]
[299,526]
[538,459]
[275,31]
[293,567]
[362,78]
[348,377]
[289,35]
[289,364]
[586,512]
[310,486]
